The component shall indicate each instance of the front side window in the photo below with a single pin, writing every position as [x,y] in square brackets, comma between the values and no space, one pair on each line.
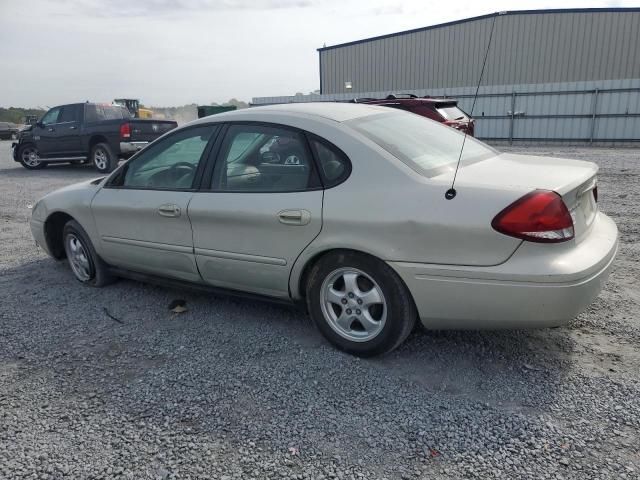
[426,146]
[256,158]
[51,116]
[169,164]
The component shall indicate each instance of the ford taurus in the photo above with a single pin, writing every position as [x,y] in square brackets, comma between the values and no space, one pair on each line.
[342,208]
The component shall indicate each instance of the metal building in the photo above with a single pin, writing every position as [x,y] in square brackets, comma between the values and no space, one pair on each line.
[559,75]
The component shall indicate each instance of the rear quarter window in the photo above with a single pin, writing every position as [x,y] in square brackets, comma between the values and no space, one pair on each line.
[335,166]
[98,113]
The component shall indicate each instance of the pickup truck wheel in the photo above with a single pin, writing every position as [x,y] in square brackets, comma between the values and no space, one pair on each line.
[103,158]
[30,157]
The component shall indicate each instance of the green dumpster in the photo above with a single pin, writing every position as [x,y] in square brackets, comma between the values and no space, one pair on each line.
[206,110]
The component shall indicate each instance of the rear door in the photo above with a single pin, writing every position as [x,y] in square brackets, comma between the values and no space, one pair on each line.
[261,208]
[141,215]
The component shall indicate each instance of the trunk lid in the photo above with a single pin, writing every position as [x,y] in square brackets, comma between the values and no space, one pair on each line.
[143,130]
[573,180]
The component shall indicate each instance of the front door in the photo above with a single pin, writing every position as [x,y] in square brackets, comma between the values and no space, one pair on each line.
[68,131]
[141,215]
[263,207]
[45,134]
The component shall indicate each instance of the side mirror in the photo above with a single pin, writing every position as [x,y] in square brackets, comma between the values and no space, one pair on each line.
[39,124]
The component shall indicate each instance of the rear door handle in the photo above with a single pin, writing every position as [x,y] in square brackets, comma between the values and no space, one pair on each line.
[51,129]
[73,127]
[169,210]
[294,217]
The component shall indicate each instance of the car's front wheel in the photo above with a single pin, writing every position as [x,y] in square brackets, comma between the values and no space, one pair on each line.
[30,157]
[359,303]
[103,158]
[86,265]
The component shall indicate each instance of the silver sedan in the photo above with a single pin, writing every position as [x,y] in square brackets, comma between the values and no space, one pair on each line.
[342,208]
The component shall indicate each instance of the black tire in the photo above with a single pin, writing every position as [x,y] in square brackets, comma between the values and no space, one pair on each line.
[23,153]
[103,158]
[98,271]
[401,313]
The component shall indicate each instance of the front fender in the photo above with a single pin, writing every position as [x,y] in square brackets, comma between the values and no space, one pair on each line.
[74,201]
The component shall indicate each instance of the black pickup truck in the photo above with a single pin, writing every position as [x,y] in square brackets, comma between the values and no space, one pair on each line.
[81,132]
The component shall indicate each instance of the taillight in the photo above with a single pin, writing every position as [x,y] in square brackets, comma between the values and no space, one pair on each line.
[125,130]
[540,216]
[595,193]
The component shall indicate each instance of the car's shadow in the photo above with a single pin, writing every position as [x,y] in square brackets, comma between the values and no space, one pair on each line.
[495,367]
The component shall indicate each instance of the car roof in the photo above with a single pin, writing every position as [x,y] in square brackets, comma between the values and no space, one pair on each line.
[339,112]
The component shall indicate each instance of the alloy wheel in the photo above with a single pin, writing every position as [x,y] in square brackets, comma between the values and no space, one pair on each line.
[353,304]
[100,158]
[79,258]
[30,156]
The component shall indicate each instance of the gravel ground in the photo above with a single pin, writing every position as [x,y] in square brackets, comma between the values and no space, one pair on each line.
[239,389]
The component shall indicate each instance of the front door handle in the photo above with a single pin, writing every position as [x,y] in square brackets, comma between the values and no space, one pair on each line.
[294,217]
[169,210]
[73,127]
[51,129]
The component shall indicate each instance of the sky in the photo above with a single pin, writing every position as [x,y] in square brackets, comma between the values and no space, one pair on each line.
[177,52]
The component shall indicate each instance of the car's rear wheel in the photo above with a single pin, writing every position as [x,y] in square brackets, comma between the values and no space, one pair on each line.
[103,158]
[30,157]
[86,265]
[359,303]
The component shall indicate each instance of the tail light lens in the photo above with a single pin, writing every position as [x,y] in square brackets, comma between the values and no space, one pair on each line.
[595,193]
[540,216]
[125,130]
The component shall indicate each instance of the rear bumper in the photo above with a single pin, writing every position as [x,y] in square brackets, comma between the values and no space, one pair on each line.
[129,148]
[541,285]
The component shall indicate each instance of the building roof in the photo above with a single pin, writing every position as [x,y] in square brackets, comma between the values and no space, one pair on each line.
[481,17]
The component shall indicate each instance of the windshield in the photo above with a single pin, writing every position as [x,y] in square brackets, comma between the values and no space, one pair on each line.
[427,146]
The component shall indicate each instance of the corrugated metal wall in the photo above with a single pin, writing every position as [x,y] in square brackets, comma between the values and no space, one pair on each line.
[596,111]
[559,75]
[527,47]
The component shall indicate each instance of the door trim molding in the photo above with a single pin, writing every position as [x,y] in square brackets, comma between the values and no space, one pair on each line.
[145,244]
[244,257]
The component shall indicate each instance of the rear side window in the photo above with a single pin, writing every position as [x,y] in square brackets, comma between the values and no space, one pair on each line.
[335,167]
[257,158]
[69,113]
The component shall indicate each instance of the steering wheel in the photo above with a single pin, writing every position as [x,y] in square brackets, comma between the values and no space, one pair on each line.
[171,174]
[178,165]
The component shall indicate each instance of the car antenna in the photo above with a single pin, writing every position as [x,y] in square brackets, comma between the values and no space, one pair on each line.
[451,193]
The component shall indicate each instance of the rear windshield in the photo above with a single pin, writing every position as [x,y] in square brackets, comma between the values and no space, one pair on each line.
[426,146]
[97,113]
[451,112]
